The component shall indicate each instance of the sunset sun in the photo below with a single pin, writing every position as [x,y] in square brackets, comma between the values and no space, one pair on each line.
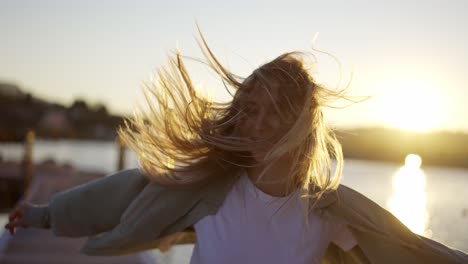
[412,105]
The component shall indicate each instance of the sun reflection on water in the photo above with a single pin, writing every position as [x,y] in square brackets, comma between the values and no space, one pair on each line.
[408,199]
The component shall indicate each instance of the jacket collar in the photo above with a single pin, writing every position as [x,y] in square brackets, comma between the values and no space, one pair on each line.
[326,200]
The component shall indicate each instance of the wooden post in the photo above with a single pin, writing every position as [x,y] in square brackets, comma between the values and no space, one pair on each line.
[28,163]
[121,154]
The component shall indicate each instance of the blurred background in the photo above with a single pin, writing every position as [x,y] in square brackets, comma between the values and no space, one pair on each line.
[70,71]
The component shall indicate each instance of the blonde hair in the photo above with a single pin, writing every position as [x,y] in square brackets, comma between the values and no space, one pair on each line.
[185,139]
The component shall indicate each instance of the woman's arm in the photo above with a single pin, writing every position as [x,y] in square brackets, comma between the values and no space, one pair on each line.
[84,210]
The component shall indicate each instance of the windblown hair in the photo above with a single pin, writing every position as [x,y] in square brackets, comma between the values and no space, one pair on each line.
[185,139]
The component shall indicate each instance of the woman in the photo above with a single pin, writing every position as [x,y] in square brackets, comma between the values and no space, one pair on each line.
[252,176]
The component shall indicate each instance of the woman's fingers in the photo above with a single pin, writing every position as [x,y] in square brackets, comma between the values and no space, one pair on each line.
[11,227]
[12,230]
[16,217]
[16,223]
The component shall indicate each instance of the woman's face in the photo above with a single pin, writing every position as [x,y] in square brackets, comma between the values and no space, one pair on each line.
[262,122]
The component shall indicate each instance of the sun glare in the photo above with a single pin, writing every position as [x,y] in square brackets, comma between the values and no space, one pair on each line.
[408,201]
[413,161]
[411,105]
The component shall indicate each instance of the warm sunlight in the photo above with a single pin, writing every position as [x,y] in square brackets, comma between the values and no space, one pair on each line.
[412,105]
[413,161]
[408,200]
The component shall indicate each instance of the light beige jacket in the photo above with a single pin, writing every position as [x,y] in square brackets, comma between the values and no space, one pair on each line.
[125,213]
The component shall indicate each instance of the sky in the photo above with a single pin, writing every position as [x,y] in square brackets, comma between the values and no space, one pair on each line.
[408,56]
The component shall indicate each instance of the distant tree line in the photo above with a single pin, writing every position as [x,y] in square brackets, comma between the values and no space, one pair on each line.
[22,112]
[436,148]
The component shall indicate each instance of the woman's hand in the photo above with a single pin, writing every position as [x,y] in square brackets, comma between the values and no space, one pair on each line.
[16,216]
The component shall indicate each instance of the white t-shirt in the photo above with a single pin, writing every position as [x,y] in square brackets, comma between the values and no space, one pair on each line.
[254,227]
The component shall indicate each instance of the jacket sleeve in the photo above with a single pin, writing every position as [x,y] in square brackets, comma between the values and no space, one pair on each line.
[91,208]
[382,237]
